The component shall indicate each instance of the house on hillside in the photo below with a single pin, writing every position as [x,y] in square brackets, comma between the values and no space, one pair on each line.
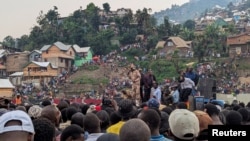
[3,54]
[83,55]
[59,55]
[35,55]
[239,45]
[172,45]
[39,72]
[16,61]
[6,88]
[121,12]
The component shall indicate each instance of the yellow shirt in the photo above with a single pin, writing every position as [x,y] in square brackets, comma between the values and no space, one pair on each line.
[115,128]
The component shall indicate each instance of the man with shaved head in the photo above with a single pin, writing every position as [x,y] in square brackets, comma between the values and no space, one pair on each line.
[135,130]
[52,113]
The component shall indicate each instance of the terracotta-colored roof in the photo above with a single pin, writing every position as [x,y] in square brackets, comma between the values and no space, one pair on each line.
[179,42]
[160,44]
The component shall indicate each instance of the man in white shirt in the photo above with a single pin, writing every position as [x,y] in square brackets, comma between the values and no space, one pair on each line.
[156,92]
[186,86]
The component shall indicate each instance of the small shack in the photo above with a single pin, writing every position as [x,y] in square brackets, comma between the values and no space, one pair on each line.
[6,88]
[16,78]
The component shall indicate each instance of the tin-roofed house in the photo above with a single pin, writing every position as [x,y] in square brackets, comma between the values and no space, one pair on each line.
[6,88]
[35,55]
[172,45]
[59,55]
[83,55]
[37,72]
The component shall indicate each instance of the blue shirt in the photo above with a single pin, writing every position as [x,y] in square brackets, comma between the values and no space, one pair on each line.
[159,138]
[176,96]
[157,94]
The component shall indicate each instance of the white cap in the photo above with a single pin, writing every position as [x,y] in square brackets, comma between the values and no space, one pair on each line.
[184,124]
[18,115]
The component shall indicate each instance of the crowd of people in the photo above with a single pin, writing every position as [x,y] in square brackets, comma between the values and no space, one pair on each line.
[141,115]
[116,121]
[146,112]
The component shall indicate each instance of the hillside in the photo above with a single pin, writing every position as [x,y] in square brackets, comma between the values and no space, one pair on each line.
[190,10]
[89,78]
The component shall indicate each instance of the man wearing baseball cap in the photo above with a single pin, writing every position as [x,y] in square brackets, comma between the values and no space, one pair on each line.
[184,125]
[16,126]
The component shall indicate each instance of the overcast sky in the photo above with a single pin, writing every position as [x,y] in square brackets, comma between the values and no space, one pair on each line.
[17,17]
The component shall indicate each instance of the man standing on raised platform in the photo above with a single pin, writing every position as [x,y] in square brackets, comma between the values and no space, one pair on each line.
[135,77]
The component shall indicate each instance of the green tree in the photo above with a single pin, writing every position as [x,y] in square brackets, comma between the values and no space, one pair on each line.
[143,20]
[106,7]
[128,37]
[126,20]
[165,29]
[187,35]
[92,17]
[176,29]
[100,43]
[23,42]
[74,29]
[189,24]
[9,41]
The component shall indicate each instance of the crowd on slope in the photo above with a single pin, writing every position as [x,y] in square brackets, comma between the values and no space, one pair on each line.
[123,120]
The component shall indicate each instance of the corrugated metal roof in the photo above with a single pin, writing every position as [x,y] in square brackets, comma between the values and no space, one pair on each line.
[17,74]
[5,83]
[38,51]
[80,49]
[41,64]
[180,43]
[44,48]
[60,45]
[44,64]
